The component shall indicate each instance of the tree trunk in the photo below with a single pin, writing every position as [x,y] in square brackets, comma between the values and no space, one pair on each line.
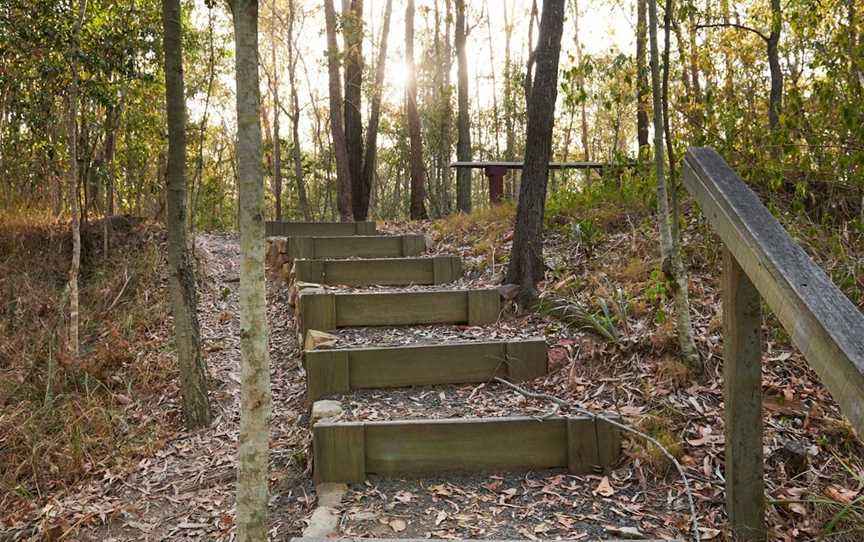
[641,75]
[509,102]
[352,32]
[277,146]
[775,103]
[296,155]
[181,279]
[72,127]
[586,154]
[673,266]
[255,400]
[463,145]
[447,122]
[112,119]
[495,119]
[340,149]
[526,260]
[371,158]
[418,173]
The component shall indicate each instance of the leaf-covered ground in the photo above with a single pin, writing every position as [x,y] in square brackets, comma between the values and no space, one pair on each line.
[814,471]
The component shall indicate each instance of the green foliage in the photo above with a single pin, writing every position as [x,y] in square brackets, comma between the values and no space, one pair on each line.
[657,294]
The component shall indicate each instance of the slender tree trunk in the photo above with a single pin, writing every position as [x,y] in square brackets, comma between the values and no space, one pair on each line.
[641,76]
[509,101]
[529,65]
[296,154]
[255,400]
[673,266]
[72,127]
[526,260]
[277,146]
[371,159]
[352,32]
[418,173]
[586,153]
[775,104]
[181,279]
[667,123]
[463,145]
[447,121]
[492,67]
[340,149]
[112,120]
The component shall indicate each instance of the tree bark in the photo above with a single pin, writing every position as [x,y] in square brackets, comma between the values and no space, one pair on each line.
[181,279]
[337,130]
[495,119]
[463,145]
[775,103]
[509,101]
[526,260]
[672,264]
[296,154]
[352,32]
[255,399]
[641,75]
[418,173]
[371,158]
[277,146]
[72,128]
[586,152]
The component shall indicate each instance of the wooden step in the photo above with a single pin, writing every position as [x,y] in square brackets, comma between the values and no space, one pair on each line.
[341,371]
[327,311]
[282,251]
[383,271]
[350,451]
[295,229]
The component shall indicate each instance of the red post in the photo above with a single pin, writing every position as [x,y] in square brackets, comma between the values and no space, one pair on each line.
[496,182]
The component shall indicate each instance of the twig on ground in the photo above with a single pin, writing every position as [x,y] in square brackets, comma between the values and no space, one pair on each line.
[562,403]
[122,289]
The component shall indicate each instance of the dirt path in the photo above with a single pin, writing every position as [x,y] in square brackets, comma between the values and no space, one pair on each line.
[185,491]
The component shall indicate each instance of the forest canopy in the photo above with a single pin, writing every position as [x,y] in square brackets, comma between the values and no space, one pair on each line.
[775,91]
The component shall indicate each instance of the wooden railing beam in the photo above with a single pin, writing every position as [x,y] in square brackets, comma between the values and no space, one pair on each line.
[822,322]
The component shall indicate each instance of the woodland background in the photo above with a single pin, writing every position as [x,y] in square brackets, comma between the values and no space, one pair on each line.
[808,155]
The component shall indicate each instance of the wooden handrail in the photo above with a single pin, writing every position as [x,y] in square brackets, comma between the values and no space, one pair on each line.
[762,259]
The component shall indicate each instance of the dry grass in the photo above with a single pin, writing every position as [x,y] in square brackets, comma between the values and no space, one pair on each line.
[61,418]
[662,428]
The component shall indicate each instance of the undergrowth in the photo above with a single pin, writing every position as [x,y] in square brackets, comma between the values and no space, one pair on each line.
[62,418]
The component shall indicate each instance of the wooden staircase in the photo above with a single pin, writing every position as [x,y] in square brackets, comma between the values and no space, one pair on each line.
[350,451]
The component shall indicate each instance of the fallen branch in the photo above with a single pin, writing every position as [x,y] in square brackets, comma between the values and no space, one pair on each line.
[562,403]
[122,289]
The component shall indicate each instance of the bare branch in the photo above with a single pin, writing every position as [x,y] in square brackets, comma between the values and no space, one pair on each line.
[733,25]
[562,403]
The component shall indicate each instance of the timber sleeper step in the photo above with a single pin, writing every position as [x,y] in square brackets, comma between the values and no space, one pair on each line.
[331,372]
[273,228]
[383,271]
[282,251]
[325,311]
[350,451]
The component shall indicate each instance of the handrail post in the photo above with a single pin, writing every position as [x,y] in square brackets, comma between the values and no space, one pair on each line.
[742,393]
